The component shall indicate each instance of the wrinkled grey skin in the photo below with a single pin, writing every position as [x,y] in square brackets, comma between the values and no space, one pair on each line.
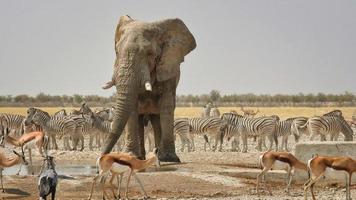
[147,53]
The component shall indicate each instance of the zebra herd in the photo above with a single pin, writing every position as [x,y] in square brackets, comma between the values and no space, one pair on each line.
[71,127]
[231,127]
[238,127]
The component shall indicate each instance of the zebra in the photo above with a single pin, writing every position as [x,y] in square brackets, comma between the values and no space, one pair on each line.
[213,126]
[214,112]
[106,113]
[261,127]
[283,129]
[84,126]
[231,130]
[296,127]
[206,110]
[103,127]
[181,129]
[329,124]
[12,122]
[52,126]
[334,112]
[60,113]
[102,124]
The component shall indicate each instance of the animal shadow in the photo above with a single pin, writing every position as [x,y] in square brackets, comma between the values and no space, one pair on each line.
[15,193]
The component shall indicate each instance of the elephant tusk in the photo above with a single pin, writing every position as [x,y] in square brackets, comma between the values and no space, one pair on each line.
[148,86]
[108,85]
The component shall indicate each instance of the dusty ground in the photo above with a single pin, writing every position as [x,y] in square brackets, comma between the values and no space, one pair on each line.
[201,175]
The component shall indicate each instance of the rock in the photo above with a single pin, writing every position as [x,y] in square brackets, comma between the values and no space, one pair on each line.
[305,151]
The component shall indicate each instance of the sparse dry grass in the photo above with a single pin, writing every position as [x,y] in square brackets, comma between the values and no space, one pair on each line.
[22,110]
[283,112]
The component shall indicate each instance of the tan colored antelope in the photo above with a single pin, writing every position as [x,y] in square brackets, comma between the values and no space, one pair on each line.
[318,165]
[249,112]
[30,141]
[270,159]
[117,164]
[6,162]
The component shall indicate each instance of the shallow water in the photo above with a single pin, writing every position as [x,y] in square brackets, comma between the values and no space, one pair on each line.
[80,170]
[61,170]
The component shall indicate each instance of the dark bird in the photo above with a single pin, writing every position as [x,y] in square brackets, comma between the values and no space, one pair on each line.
[48,180]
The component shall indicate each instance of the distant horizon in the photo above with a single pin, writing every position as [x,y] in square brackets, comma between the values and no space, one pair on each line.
[259,47]
[222,94]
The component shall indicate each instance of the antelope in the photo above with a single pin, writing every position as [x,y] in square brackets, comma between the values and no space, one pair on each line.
[30,141]
[287,162]
[249,113]
[117,164]
[9,162]
[317,167]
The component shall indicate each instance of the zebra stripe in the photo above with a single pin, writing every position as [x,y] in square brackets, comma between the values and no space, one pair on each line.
[329,125]
[181,128]
[283,129]
[103,128]
[51,126]
[212,126]
[12,122]
[334,112]
[60,113]
[261,127]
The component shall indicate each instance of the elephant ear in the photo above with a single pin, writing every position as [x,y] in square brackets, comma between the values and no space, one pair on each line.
[178,41]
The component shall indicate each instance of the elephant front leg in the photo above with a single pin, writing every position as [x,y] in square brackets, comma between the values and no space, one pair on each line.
[141,137]
[167,151]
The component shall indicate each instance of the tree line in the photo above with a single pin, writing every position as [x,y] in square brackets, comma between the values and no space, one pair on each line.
[312,100]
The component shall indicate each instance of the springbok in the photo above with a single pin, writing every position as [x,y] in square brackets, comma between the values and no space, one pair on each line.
[317,167]
[30,141]
[9,162]
[117,164]
[270,159]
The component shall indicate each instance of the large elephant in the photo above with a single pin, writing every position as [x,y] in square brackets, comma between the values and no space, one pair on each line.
[146,74]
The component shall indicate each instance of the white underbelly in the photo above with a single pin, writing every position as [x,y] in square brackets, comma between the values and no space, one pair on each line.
[278,165]
[118,168]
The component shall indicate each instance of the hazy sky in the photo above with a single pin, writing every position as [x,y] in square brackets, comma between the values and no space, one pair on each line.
[269,47]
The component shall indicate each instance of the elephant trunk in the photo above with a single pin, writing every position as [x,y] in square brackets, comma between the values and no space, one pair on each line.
[126,101]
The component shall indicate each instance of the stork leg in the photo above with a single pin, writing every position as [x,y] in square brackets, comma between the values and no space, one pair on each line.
[53,195]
